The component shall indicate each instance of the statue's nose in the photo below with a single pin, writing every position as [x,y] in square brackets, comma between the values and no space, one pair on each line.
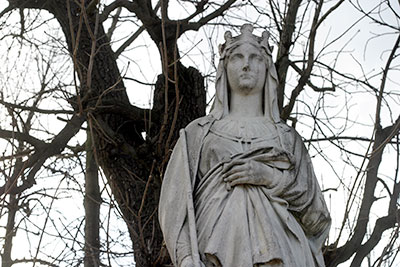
[246,66]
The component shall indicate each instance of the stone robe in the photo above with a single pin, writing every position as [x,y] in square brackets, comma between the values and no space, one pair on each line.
[249,225]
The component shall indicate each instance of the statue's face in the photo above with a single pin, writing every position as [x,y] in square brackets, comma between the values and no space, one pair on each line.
[246,69]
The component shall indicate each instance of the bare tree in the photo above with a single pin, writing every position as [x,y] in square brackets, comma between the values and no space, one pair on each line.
[132,144]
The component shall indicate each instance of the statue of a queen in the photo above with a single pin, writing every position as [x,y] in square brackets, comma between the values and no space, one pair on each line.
[239,189]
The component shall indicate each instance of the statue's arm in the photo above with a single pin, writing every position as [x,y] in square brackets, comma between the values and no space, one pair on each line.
[183,248]
[172,211]
[303,193]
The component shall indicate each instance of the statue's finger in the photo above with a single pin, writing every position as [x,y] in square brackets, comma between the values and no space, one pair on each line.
[233,170]
[235,176]
[232,164]
[243,180]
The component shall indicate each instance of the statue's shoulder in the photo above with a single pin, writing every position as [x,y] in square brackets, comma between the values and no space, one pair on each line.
[290,137]
[197,130]
[286,129]
[199,124]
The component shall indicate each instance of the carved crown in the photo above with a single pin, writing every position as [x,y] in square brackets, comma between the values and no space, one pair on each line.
[246,36]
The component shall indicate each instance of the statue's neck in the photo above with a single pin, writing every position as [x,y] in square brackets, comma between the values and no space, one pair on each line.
[242,105]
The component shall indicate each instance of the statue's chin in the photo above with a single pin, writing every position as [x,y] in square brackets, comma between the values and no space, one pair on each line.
[246,88]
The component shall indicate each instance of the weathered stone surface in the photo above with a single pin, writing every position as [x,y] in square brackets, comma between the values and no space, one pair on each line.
[240,189]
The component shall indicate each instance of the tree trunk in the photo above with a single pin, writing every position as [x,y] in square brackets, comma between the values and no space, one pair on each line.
[92,203]
[12,209]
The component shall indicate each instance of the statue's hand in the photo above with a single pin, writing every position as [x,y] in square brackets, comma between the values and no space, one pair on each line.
[246,171]
[188,262]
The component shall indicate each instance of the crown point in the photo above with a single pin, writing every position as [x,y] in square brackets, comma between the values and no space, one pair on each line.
[228,35]
[246,28]
[265,35]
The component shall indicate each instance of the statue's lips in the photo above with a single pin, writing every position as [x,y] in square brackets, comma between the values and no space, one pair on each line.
[246,76]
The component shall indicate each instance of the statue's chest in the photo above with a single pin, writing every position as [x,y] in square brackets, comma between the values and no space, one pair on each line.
[225,140]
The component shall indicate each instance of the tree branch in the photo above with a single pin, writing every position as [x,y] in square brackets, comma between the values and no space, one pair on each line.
[285,43]
[130,112]
[381,225]
[310,64]
[134,36]
[382,138]
[199,9]
[47,263]
[35,161]
[327,13]
[309,83]
[27,4]
[164,10]
[350,138]
[384,78]
[35,109]
[5,134]
[141,8]
[114,5]
[6,10]
[186,26]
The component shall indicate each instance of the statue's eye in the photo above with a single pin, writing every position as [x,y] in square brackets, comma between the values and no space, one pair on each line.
[257,57]
[236,56]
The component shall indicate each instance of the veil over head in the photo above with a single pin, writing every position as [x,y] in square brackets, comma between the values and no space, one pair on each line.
[220,106]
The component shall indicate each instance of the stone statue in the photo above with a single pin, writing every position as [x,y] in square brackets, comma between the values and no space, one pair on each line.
[240,189]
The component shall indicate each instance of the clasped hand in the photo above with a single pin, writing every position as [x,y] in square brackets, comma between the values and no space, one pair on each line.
[247,171]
